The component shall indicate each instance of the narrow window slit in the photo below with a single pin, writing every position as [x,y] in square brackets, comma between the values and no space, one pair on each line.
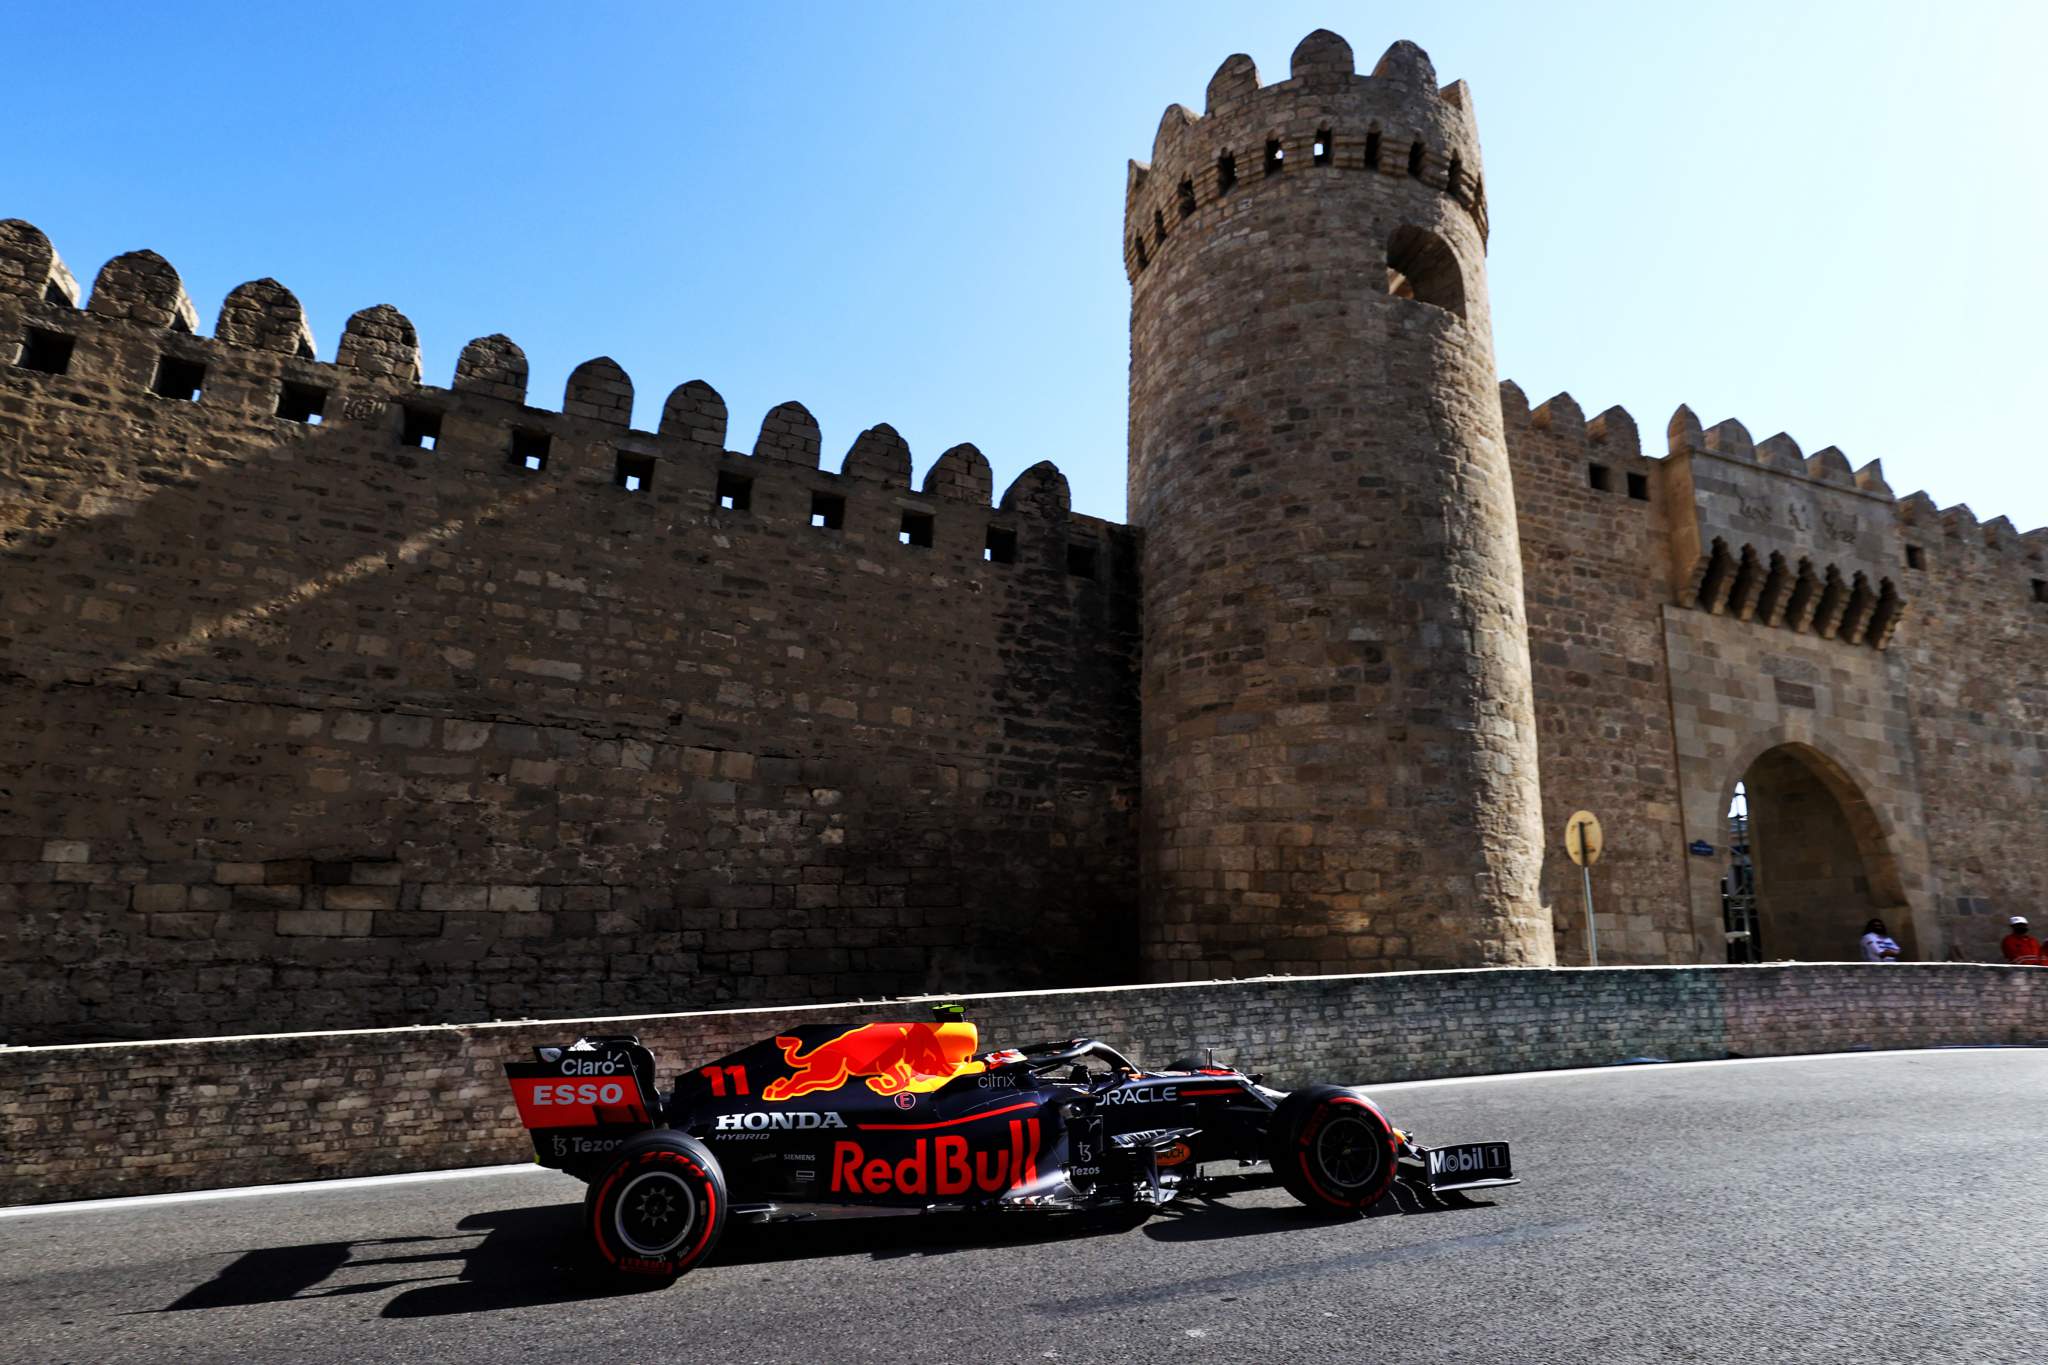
[1081,560]
[1415,160]
[917,530]
[530,449]
[1001,547]
[46,352]
[1276,156]
[1226,173]
[634,473]
[828,511]
[179,378]
[1639,487]
[1320,154]
[1596,475]
[1187,199]
[305,403]
[1372,150]
[422,428]
[735,492]
[1916,558]
[1138,249]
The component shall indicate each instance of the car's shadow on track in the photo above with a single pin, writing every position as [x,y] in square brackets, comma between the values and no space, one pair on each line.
[534,1257]
[1207,1220]
[527,1257]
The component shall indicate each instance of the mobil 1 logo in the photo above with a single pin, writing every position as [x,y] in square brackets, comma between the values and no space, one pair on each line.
[1469,1161]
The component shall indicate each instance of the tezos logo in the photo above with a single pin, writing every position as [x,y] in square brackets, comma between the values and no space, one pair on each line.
[759,1121]
[570,1146]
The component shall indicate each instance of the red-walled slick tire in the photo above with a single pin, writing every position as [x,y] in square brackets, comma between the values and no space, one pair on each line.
[658,1209]
[1332,1150]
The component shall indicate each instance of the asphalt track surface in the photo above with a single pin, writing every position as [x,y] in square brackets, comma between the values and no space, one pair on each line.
[1877,1207]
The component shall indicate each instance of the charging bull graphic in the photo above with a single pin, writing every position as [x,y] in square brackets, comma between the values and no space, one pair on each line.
[893,1059]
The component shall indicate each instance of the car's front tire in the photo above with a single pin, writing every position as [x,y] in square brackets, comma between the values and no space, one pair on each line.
[659,1208]
[1332,1150]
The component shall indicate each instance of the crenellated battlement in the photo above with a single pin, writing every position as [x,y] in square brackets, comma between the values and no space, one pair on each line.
[138,329]
[1324,119]
[1766,517]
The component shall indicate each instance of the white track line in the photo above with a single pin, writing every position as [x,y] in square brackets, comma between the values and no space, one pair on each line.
[471,1172]
[1636,1068]
[362,1182]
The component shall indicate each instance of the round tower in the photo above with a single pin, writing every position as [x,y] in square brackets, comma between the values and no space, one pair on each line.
[1339,760]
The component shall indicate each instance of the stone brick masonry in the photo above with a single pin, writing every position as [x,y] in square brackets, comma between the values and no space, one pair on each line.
[331,698]
[132,1118]
[444,707]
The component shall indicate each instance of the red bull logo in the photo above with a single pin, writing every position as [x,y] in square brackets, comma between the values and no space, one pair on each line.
[893,1059]
[940,1166]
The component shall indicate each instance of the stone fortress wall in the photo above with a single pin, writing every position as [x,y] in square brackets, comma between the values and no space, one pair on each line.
[314,724]
[445,707]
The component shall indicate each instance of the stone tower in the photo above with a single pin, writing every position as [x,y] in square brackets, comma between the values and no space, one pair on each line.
[1339,766]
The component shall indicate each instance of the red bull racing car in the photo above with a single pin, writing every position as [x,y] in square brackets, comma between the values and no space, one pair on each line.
[910,1115]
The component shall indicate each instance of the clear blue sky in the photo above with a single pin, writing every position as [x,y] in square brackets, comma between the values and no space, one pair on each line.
[1821,219]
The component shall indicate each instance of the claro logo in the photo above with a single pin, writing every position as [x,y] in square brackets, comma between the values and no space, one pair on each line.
[587,1066]
[579,1092]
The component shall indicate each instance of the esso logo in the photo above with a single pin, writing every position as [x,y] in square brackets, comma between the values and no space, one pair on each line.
[584,1092]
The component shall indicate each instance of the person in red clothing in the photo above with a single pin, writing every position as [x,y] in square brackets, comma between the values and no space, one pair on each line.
[2020,946]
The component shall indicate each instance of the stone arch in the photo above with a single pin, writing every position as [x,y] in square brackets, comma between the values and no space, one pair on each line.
[1824,860]
[1421,266]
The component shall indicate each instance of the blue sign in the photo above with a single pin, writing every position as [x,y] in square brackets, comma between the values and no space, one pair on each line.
[1702,848]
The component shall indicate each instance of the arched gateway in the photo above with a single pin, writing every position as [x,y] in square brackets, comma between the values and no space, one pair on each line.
[1818,863]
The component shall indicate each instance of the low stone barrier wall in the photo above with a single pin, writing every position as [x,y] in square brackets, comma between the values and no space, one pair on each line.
[107,1119]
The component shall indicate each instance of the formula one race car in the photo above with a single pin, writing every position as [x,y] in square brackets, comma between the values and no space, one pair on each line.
[910,1116]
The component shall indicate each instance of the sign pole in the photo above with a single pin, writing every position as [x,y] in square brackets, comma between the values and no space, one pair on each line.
[1592,933]
[1582,841]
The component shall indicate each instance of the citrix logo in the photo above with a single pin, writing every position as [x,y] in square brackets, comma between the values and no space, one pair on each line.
[759,1121]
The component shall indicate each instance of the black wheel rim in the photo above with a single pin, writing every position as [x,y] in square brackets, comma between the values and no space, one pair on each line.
[1350,1151]
[654,1213]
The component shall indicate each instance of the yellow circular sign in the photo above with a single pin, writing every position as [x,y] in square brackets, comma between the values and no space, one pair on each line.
[1582,838]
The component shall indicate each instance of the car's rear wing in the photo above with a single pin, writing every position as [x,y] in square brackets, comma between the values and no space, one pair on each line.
[581,1100]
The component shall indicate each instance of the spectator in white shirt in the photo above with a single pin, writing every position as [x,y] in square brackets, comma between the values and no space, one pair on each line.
[1879,945]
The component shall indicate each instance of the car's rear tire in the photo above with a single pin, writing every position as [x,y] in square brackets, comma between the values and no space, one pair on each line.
[1332,1150]
[659,1208]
